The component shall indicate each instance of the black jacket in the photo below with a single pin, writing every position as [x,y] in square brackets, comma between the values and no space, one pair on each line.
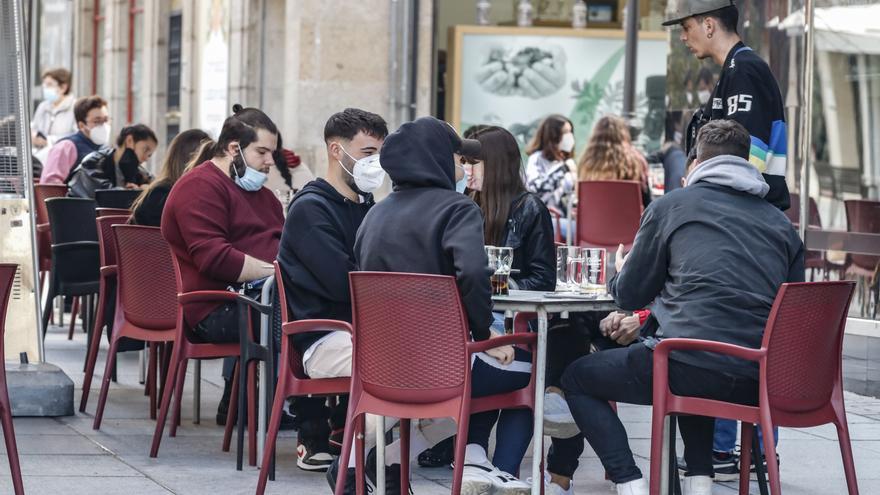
[149,212]
[529,231]
[316,254]
[98,171]
[712,257]
[424,226]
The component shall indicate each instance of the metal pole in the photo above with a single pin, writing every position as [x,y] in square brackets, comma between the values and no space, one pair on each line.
[806,114]
[632,47]
[393,58]
[414,66]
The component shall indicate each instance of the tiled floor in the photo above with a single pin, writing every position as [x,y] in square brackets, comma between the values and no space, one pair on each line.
[65,456]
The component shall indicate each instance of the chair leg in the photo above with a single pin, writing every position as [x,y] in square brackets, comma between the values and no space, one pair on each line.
[460,444]
[74,309]
[178,397]
[47,308]
[9,438]
[345,454]
[232,412]
[167,391]
[252,414]
[657,420]
[770,454]
[846,454]
[404,455]
[672,467]
[243,399]
[92,356]
[272,435]
[759,466]
[105,383]
[745,459]
[152,377]
[359,454]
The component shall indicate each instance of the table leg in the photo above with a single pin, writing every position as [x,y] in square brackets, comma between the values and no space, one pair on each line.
[197,391]
[380,454]
[262,406]
[538,435]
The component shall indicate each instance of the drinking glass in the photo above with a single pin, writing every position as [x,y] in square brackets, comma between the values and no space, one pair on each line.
[593,279]
[575,274]
[563,254]
[500,261]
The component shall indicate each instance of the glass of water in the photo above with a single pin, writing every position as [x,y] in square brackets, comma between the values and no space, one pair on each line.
[593,277]
[563,254]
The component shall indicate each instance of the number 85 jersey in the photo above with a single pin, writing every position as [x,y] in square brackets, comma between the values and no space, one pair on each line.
[748,93]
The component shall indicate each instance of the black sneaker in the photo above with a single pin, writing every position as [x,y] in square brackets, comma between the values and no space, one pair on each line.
[392,475]
[350,487]
[725,465]
[310,457]
[337,436]
[753,473]
[439,455]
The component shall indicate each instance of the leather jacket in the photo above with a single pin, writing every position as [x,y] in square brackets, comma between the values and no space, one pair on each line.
[529,231]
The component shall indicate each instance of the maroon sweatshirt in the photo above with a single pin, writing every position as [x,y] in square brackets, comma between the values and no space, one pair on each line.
[211,224]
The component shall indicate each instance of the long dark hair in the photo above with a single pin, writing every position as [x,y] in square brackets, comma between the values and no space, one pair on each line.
[546,140]
[502,179]
[180,152]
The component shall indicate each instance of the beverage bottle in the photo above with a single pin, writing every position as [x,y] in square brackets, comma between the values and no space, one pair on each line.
[524,13]
[579,14]
[483,7]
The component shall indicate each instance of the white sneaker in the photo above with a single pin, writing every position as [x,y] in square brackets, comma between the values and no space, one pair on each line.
[696,485]
[504,483]
[634,487]
[551,488]
[558,421]
[476,480]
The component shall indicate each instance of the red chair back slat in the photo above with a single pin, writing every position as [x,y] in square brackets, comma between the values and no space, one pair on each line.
[7,278]
[794,212]
[106,212]
[106,243]
[427,310]
[608,213]
[147,285]
[863,216]
[294,358]
[42,192]
[804,338]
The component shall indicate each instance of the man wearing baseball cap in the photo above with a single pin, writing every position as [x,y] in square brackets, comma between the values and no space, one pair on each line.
[746,91]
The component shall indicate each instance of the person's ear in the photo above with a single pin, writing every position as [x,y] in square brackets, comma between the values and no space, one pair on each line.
[128,142]
[81,126]
[232,149]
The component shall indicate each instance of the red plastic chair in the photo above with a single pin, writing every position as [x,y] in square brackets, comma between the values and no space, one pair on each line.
[863,216]
[106,212]
[412,359]
[558,217]
[608,213]
[107,251]
[813,260]
[800,384]
[185,349]
[42,192]
[292,380]
[7,276]
[147,291]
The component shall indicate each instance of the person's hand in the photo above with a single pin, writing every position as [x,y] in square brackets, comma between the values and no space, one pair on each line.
[132,185]
[493,78]
[544,77]
[620,328]
[38,141]
[620,259]
[503,354]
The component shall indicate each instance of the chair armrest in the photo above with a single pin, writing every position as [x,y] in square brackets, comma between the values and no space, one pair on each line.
[662,350]
[202,296]
[43,227]
[521,321]
[65,247]
[108,271]
[554,212]
[307,326]
[516,339]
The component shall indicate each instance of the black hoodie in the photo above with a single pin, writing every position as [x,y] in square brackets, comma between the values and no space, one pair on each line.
[316,255]
[424,226]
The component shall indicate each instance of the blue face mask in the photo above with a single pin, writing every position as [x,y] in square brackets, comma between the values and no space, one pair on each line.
[252,180]
[461,185]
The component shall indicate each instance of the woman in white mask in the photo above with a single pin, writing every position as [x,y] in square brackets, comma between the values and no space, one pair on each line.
[550,170]
[53,118]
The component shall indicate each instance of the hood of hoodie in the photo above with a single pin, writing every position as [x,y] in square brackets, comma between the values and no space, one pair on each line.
[419,154]
[323,188]
[733,172]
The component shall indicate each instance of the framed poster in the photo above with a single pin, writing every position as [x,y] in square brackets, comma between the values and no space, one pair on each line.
[514,77]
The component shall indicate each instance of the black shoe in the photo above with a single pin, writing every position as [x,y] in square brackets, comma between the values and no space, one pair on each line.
[312,457]
[753,474]
[350,488]
[439,455]
[337,436]
[726,466]
[223,407]
[392,475]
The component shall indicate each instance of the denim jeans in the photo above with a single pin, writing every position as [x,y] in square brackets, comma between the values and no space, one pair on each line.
[725,436]
[626,375]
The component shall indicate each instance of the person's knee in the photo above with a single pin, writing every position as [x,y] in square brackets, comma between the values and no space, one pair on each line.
[577,376]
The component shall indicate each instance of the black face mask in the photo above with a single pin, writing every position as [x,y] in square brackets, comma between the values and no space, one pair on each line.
[130,167]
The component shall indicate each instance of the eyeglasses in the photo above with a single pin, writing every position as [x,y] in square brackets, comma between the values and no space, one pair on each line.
[98,121]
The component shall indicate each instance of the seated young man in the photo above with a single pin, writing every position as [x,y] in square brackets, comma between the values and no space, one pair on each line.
[711,257]
[425,226]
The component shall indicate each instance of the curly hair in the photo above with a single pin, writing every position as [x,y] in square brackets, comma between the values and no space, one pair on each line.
[609,154]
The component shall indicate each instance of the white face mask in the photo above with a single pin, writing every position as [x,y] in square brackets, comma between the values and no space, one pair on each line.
[704,95]
[566,144]
[100,134]
[50,94]
[367,172]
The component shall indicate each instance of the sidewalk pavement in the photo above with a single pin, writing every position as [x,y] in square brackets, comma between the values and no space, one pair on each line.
[65,456]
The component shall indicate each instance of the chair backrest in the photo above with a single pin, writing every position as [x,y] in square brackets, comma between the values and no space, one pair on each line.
[106,242]
[116,198]
[105,212]
[804,339]
[608,213]
[42,192]
[72,219]
[147,286]
[295,359]
[7,278]
[410,336]
[863,216]
[794,211]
